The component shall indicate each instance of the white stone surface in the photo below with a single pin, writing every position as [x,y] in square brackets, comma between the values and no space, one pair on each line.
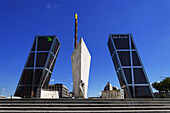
[47,94]
[80,60]
[2,97]
[113,94]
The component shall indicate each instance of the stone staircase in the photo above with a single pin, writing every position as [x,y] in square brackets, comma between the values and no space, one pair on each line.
[85,106]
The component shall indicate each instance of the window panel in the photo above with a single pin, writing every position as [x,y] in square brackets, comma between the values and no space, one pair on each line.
[121,43]
[35,91]
[131,90]
[30,62]
[47,80]
[50,61]
[132,44]
[139,77]
[33,48]
[53,66]
[124,57]
[55,47]
[27,77]
[110,45]
[115,62]
[44,44]
[37,76]
[135,58]
[25,91]
[142,91]
[41,59]
[120,77]
[128,75]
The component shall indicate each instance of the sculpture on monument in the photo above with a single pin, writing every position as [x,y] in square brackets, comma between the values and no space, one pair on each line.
[80,60]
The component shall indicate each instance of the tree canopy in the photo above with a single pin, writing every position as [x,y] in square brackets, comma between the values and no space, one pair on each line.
[162,86]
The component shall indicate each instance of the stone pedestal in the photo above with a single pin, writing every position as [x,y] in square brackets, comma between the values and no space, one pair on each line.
[80,60]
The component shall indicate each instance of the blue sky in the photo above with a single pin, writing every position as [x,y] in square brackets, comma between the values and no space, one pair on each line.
[21,20]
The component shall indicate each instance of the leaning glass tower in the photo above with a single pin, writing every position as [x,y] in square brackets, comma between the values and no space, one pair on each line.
[39,66]
[128,66]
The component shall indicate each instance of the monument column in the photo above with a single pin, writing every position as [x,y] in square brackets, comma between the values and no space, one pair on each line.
[80,60]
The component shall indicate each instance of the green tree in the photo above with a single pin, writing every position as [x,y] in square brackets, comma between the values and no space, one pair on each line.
[166,84]
[157,86]
[163,86]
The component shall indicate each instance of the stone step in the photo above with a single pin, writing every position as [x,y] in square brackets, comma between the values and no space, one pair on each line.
[72,101]
[86,111]
[84,105]
[89,108]
[80,105]
[63,99]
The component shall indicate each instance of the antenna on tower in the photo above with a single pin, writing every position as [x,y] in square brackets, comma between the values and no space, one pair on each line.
[76,30]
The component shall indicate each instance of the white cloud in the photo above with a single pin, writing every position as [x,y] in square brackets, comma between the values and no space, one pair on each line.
[48,6]
[52,6]
[57,6]
[71,83]
[99,93]
[52,80]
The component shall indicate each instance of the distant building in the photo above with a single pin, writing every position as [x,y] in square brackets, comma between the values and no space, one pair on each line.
[38,67]
[128,65]
[112,92]
[45,93]
[63,90]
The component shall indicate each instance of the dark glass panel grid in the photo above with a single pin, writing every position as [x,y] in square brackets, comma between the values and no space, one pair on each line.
[115,62]
[37,76]
[139,76]
[121,43]
[142,91]
[53,65]
[135,58]
[41,59]
[45,85]
[33,48]
[27,91]
[44,74]
[110,45]
[124,57]
[50,61]
[128,75]
[131,90]
[56,46]
[35,91]
[30,62]
[44,44]
[132,44]
[122,82]
[120,77]
[27,77]
[30,78]
[24,91]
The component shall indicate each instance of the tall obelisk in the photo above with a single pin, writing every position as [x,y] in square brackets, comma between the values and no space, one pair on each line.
[80,60]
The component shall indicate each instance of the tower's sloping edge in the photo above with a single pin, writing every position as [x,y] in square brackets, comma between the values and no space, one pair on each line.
[128,66]
[39,66]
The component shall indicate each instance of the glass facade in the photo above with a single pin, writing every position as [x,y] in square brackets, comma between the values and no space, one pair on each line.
[39,66]
[129,68]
